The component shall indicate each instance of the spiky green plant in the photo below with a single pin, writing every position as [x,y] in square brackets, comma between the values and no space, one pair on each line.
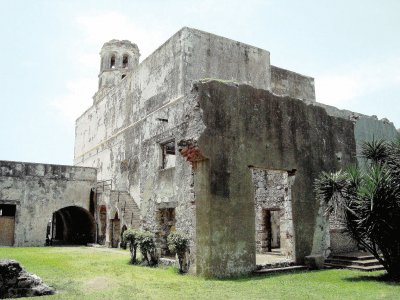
[368,200]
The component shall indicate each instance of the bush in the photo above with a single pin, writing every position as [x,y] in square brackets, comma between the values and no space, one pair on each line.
[131,236]
[369,201]
[179,243]
[147,247]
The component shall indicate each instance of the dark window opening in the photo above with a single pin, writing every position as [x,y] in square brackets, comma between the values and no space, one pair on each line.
[92,206]
[168,155]
[7,210]
[125,61]
[112,63]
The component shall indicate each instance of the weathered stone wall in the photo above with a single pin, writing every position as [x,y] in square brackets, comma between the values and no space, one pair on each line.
[366,128]
[249,127]
[272,191]
[122,133]
[120,203]
[38,190]
[294,85]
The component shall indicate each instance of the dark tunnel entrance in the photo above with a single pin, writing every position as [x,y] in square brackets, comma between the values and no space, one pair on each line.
[72,225]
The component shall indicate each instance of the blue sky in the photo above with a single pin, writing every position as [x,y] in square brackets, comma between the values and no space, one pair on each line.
[50,59]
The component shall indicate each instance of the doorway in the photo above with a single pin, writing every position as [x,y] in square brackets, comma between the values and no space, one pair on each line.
[115,231]
[72,225]
[7,224]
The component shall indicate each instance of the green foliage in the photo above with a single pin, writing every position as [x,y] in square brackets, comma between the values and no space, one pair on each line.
[130,236]
[179,243]
[147,247]
[368,199]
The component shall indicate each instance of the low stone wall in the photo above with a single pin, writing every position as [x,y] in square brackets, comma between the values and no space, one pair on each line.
[15,282]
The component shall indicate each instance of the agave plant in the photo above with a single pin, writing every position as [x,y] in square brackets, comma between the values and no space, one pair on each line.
[368,201]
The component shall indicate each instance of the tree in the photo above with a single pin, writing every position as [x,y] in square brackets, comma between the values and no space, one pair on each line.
[368,201]
[147,247]
[131,236]
[179,243]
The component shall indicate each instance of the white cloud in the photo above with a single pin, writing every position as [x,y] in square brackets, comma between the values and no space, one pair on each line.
[347,84]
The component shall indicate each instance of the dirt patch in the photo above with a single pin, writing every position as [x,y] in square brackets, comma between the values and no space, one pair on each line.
[100,283]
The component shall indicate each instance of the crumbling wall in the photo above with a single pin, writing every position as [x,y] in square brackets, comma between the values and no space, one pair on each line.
[249,127]
[38,190]
[122,133]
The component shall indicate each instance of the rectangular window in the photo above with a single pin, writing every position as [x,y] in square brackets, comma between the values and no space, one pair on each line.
[168,155]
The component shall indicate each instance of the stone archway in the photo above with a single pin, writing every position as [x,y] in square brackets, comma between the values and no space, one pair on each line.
[72,225]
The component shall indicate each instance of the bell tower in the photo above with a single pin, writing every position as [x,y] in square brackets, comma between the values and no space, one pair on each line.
[117,59]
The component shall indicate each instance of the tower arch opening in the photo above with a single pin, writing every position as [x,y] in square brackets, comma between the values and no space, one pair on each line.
[72,225]
[112,62]
[125,61]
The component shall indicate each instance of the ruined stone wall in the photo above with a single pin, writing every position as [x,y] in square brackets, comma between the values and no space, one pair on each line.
[38,190]
[249,127]
[122,133]
[366,128]
[288,83]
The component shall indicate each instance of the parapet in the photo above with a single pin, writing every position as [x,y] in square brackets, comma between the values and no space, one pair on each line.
[295,85]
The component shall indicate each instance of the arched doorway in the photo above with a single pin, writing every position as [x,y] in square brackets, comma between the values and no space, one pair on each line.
[115,231]
[123,244]
[72,225]
[102,229]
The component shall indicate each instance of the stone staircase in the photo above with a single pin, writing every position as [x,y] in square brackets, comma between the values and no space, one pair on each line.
[359,260]
[275,262]
[280,269]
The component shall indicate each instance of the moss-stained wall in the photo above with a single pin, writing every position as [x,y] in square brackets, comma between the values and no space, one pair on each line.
[249,127]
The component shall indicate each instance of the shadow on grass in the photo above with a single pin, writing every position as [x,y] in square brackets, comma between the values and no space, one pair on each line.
[384,278]
[255,277]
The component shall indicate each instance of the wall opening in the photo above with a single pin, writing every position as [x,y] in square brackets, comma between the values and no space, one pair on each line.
[273,211]
[269,239]
[7,224]
[102,225]
[168,155]
[125,61]
[115,231]
[112,62]
[166,221]
[72,225]
[92,205]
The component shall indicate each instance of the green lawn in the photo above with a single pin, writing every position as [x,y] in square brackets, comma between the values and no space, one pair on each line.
[87,273]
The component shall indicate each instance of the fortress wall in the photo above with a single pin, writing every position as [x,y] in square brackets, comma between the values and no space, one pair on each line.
[38,190]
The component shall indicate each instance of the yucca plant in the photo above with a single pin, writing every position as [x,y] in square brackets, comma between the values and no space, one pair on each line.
[368,201]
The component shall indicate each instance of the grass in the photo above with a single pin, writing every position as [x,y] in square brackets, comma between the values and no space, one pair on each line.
[88,273]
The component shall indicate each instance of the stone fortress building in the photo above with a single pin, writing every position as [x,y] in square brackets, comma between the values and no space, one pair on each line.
[204,136]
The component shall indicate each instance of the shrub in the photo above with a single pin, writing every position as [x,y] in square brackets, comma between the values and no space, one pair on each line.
[147,247]
[369,201]
[179,243]
[131,236]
